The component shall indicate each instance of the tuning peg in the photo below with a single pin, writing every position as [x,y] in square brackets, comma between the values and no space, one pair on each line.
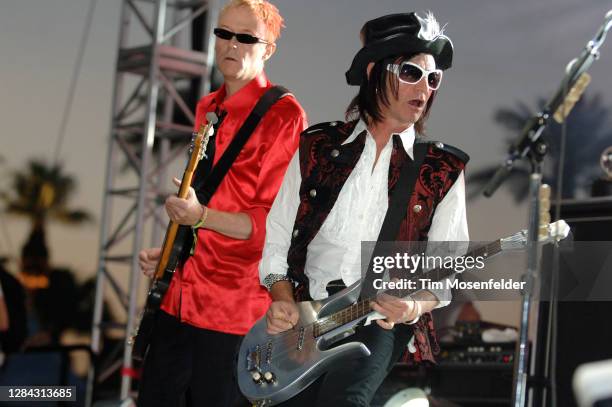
[211,117]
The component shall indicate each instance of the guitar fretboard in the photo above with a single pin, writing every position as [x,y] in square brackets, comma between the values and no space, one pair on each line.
[362,308]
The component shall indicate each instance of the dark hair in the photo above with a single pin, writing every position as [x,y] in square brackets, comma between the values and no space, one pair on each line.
[373,95]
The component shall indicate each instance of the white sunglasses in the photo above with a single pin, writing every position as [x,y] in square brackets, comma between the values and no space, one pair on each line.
[408,72]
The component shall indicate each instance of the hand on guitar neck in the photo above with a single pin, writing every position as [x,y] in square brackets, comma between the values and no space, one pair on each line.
[187,211]
[398,310]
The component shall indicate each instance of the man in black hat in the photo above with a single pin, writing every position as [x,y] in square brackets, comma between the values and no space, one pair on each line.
[336,194]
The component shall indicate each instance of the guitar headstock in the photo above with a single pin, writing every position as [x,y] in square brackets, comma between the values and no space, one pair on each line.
[549,233]
[199,140]
[198,148]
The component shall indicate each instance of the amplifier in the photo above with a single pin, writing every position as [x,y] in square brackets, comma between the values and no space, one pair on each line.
[474,374]
[467,374]
[584,332]
[482,354]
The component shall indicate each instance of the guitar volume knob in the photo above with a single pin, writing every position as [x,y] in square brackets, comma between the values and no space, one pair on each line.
[269,377]
[257,377]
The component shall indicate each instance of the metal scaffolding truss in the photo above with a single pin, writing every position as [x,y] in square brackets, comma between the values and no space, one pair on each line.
[146,98]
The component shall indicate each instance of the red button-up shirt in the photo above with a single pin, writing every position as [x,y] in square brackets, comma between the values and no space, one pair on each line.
[218,287]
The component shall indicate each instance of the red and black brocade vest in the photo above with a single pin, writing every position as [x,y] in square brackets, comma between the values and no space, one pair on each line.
[325,165]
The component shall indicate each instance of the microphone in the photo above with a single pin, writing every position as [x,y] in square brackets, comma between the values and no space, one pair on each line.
[558,106]
[607,21]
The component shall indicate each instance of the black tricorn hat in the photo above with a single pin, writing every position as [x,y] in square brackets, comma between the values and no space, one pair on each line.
[400,34]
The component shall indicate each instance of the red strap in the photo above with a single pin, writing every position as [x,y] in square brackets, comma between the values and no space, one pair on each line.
[131,372]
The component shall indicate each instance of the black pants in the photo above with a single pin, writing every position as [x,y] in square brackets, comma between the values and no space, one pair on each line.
[354,382]
[189,366]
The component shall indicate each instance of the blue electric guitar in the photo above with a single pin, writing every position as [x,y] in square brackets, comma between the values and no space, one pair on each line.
[273,368]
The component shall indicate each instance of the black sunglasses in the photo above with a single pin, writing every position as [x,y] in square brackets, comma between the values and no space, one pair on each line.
[241,38]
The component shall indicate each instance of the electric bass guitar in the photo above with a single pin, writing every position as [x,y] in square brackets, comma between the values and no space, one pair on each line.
[174,248]
[273,368]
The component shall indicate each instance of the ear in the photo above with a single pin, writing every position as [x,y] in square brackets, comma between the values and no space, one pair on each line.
[270,49]
[369,69]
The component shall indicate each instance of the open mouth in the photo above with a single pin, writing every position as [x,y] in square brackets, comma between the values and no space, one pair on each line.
[418,103]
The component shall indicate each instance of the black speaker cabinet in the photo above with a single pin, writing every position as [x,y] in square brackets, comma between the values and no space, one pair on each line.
[584,334]
[584,328]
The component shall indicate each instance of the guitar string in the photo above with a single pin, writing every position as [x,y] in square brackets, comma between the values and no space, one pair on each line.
[330,322]
[490,250]
[339,318]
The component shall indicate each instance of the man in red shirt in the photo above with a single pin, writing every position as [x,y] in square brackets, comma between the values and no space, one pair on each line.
[215,297]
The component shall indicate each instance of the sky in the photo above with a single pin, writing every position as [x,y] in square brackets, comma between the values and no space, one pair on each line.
[505,52]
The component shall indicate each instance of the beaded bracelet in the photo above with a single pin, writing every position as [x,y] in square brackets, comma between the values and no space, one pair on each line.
[200,222]
[194,228]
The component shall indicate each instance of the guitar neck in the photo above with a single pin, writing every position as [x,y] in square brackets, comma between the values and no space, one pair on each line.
[172,230]
[166,250]
[362,308]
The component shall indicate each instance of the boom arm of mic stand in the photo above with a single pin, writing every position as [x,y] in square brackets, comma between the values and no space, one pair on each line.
[534,127]
[529,136]
[503,171]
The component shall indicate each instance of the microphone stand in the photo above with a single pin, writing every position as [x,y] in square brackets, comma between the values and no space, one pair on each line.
[532,147]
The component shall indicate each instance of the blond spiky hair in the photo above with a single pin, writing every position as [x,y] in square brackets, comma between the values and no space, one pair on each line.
[430,28]
[265,11]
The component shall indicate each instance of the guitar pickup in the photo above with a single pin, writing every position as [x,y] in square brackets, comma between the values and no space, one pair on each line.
[300,341]
[269,352]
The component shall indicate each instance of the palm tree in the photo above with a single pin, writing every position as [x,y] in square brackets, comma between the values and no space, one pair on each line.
[41,192]
[588,134]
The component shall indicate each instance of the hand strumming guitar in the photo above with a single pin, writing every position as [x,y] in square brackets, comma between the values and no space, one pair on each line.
[281,316]
[283,313]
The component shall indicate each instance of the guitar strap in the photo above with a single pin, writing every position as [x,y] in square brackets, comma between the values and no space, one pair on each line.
[206,185]
[396,212]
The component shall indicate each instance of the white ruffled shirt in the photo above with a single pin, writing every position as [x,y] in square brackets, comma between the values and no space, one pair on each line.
[358,214]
